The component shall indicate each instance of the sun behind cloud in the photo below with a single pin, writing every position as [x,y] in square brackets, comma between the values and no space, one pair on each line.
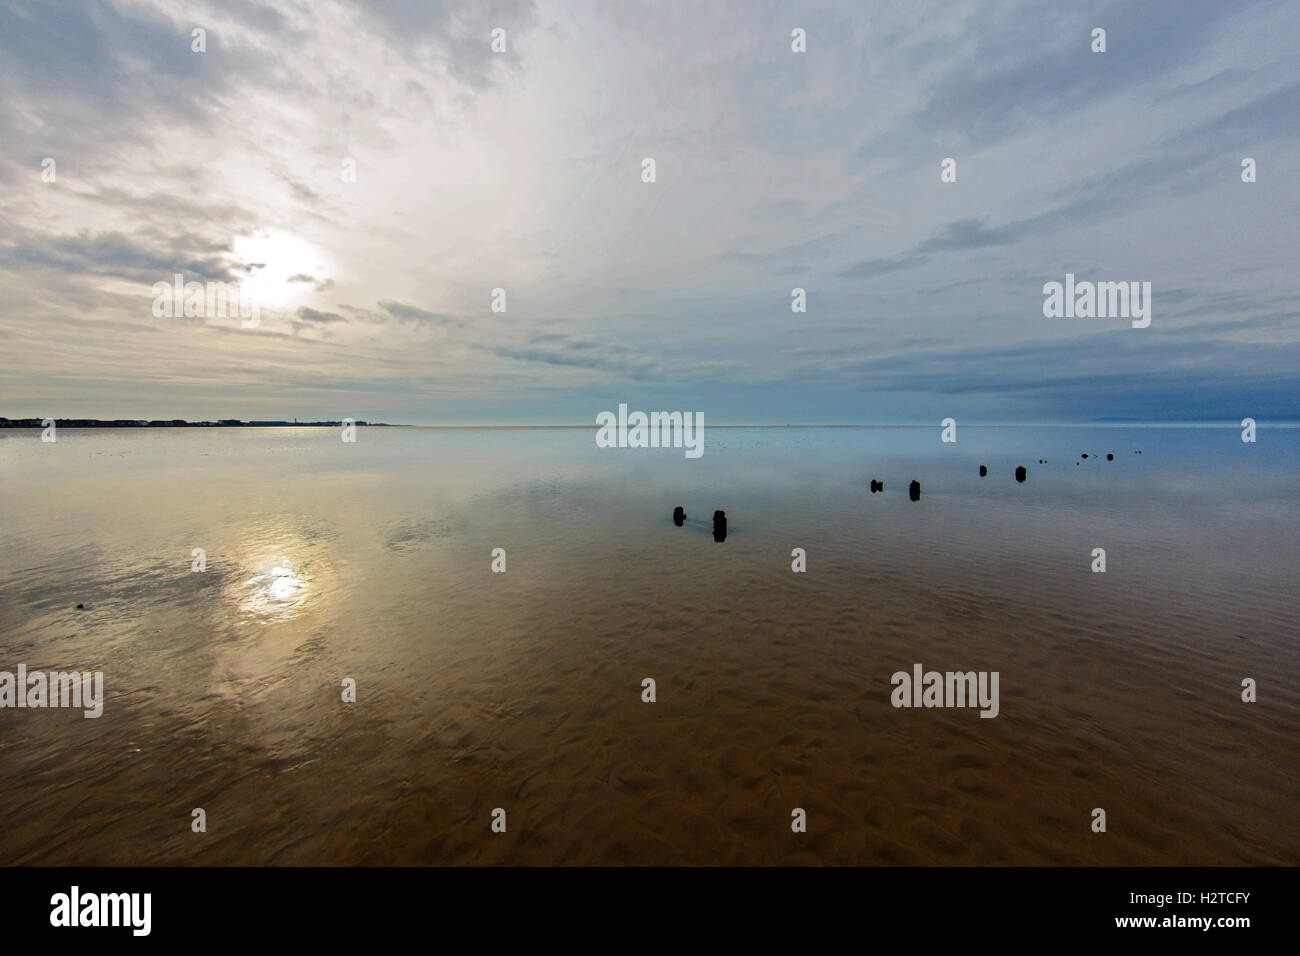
[282,269]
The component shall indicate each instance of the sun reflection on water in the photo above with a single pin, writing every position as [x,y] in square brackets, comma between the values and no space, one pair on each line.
[275,593]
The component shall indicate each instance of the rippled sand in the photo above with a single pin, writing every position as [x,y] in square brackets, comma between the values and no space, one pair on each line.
[523,690]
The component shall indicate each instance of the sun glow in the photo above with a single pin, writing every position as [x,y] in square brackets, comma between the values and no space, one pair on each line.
[280,270]
[276,593]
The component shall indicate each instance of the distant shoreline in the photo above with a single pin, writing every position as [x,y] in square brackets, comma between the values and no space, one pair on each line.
[236,423]
[172,423]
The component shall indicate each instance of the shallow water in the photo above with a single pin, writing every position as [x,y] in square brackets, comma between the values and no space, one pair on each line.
[327,560]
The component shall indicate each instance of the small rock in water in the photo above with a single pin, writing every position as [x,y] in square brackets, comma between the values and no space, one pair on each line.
[984,470]
[914,491]
[719,526]
[877,486]
[1021,474]
[678,516]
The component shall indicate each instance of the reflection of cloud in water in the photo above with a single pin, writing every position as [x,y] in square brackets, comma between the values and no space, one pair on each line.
[413,534]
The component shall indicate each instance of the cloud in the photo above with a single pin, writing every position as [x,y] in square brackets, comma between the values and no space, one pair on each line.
[969,234]
[563,350]
[320,285]
[113,254]
[311,315]
[409,313]
[1025,66]
[522,170]
[448,37]
[872,268]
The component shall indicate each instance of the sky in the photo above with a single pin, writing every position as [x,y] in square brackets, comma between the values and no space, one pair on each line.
[369,174]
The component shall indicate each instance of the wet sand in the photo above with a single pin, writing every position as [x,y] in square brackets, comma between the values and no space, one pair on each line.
[523,691]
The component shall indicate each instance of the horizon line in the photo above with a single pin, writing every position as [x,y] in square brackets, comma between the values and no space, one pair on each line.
[329,423]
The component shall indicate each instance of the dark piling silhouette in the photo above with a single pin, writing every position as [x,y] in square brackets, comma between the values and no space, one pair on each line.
[984,471]
[877,486]
[914,491]
[719,526]
[1021,474]
[679,516]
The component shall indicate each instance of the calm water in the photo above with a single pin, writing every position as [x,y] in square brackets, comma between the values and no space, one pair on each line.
[476,690]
